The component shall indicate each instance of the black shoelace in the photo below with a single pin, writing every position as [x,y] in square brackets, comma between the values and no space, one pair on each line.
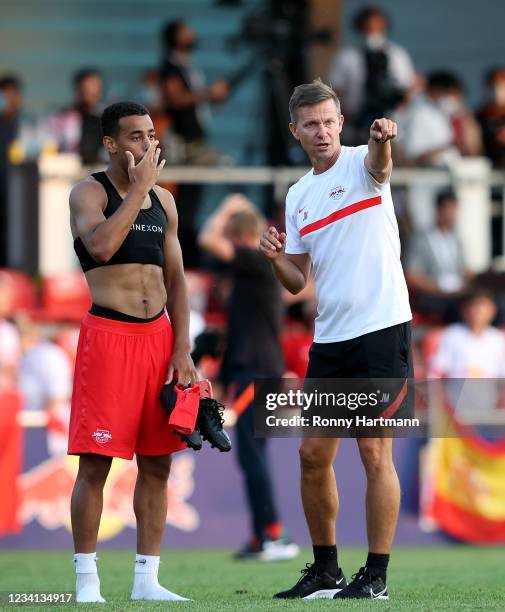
[214,409]
[309,571]
[360,574]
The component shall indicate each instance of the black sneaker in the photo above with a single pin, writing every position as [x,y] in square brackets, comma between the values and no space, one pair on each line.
[364,585]
[210,424]
[251,550]
[210,419]
[193,440]
[315,584]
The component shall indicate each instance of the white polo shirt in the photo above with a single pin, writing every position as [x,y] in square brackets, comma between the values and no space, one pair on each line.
[345,220]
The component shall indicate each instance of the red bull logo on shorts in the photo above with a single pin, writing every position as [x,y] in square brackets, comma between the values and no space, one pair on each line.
[102,436]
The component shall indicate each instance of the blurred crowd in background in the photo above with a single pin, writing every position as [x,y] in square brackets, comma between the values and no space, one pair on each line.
[436,125]
[373,78]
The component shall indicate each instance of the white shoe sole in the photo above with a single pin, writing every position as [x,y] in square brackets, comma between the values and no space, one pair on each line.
[280,553]
[324,594]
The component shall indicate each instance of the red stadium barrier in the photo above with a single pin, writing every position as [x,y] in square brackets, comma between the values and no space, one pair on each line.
[23,293]
[65,297]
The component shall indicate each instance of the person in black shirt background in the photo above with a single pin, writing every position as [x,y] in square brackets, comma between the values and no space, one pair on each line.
[183,88]
[185,99]
[253,350]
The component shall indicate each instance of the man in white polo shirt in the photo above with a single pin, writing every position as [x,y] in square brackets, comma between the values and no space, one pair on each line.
[340,219]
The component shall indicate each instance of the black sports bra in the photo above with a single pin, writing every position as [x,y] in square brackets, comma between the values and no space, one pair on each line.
[144,242]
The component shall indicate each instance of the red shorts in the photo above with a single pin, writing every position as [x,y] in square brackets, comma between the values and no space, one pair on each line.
[119,372]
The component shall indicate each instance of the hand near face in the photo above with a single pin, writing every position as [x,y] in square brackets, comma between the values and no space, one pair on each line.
[146,172]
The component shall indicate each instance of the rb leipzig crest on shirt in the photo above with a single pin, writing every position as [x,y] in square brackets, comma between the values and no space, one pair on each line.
[337,192]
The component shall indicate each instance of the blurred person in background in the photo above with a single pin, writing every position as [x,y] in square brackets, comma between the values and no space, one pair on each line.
[45,381]
[438,129]
[77,127]
[472,348]
[466,130]
[402,115]
[435,264]
[185,99]
[491,116]
[462,468]
[149,94]
[184,92]
[11,101]
[371,78]
[253,350]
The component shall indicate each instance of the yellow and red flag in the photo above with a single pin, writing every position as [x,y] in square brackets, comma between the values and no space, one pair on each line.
[467,486]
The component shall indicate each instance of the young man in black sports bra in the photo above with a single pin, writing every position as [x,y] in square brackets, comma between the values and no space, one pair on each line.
[125,232]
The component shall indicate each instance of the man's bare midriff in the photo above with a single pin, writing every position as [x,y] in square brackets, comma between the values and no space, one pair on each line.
[137,290]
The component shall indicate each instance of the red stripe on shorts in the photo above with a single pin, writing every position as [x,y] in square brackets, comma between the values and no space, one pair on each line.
[393,407]
[340,214]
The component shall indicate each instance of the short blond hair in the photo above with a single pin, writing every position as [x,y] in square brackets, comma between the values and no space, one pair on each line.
[245,223]
[309,94]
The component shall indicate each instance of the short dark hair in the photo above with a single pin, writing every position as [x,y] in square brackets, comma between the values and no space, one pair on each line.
[113,113]
[10,80]
[477,292]
[309,94]
[444,196]
[364,15]
[443,79]
[84,73]
[169,34]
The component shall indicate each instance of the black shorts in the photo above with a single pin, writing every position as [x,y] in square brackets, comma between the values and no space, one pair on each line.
[385,353]
[382,354]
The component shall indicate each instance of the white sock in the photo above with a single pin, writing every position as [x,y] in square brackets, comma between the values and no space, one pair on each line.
[87,583]
[145,581]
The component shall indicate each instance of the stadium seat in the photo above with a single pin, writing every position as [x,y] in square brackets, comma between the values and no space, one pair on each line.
[23,290]
[65,297]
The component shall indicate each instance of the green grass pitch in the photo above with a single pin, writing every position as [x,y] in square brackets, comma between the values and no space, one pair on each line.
[453,578]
